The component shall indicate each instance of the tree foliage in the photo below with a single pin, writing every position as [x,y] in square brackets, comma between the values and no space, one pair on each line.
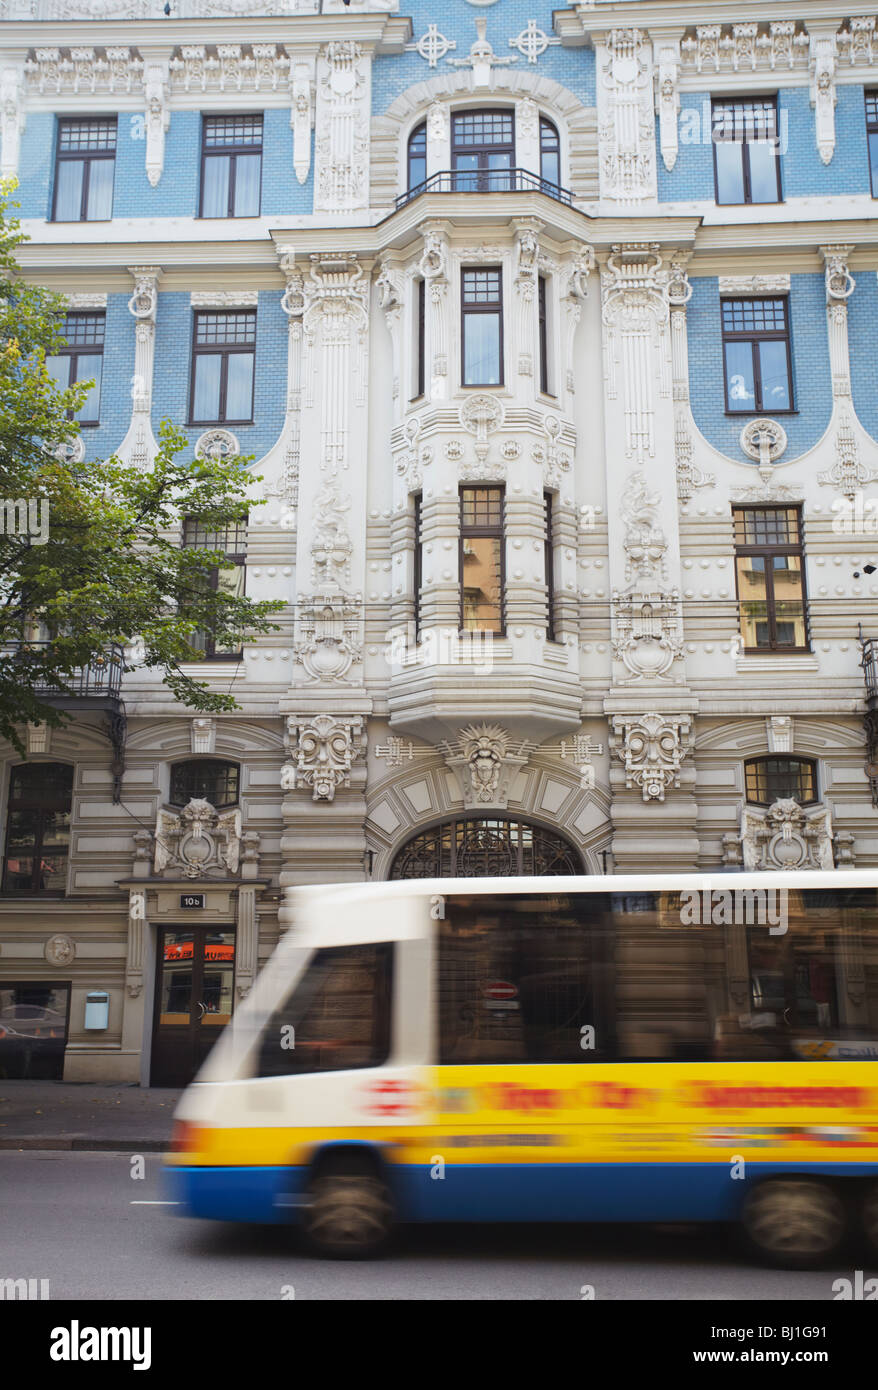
[112,567]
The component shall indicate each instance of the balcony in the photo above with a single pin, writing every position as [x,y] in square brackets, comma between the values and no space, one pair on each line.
[95,687]
[98,685]
[486,181]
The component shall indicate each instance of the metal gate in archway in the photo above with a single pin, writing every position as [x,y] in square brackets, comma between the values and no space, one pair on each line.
[489,847]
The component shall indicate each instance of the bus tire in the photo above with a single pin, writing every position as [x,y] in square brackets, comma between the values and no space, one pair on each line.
[794,1223]
[349,1215]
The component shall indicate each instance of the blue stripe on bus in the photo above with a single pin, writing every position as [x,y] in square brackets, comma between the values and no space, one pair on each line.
[505,1192]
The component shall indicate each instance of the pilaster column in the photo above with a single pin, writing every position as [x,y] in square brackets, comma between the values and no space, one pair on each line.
[525,272]
[139,447]
[246,941]
[344,86]
[12,115]
[626,116]
[433,266]
[839,288]
[438,139]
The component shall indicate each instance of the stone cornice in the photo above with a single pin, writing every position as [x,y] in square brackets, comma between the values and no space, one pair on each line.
[386,33]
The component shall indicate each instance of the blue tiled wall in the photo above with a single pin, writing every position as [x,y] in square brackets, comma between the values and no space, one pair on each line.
[118,369]
[173,347]
[281,191]
[36,161]
[692,175]
[803,173]
[572,67]
[812,383]
[176,194]
[863,345]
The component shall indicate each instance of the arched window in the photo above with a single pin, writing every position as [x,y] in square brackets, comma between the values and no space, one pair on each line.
[417,156]
[38,828]
[493,847]
[550,152]
[775,779]
[205,779]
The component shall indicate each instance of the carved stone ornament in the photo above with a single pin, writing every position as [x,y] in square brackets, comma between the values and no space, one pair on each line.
[323,750]
[71,450]
[840,284]
[432,46]
[481,58]
[667,99]
[823,94]
[763,440]
[198,841]
[60,950]
[12,118]
[786,836]
[331,544]
[217,444]
[746,47]
[485,760]
[202,735]
[652,748]
[626,120]
[644,541]
[533,41]
[647,633]
[480,416]
[342,149]
[329,640]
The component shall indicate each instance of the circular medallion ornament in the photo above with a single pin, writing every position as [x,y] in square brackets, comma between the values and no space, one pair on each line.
[60,950]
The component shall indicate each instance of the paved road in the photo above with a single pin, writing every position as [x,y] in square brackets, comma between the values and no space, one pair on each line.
[81,1221]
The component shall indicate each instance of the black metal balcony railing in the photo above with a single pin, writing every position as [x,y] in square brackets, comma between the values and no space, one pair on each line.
[99,683]
[869,663]
[486,181]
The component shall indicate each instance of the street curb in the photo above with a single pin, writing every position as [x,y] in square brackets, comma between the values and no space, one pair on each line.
[88,1145]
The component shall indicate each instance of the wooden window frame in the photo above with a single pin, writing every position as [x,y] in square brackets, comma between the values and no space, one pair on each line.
[482,174]
[86,156]
[418,132]
[543,333]
[43,806]
[480,532]
[224,350]
[766,552]
[470,310]
[232,150]
[549,553]
[764,758]
[742,101]
[754,337]
[236,557]
[870,99]
[548,125]
[420,340]
[76,350]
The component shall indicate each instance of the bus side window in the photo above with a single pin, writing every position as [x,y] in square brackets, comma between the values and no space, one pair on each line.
[518,978]
[337,1017]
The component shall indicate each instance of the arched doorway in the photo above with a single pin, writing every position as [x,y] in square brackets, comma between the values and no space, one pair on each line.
[485,847]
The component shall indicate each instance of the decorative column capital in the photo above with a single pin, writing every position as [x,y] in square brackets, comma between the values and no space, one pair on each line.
[144,301]
[652,748]
[840,283]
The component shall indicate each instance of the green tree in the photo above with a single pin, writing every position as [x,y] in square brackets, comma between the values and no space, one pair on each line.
[109,565]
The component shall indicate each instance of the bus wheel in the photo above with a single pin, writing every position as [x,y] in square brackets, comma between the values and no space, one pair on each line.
[794,1222]
[349,1214]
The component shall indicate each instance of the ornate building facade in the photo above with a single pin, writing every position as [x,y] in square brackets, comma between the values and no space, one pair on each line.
[553,335]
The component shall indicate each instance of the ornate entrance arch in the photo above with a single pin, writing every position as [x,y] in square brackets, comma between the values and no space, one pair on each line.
[485,847]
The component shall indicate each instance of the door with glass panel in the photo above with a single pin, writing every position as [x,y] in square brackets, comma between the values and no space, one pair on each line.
[194,995]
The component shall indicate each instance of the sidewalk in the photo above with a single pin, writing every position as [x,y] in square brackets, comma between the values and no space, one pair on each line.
[68,1115]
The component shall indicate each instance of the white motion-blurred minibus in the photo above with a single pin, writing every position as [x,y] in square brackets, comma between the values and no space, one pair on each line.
[669,1048]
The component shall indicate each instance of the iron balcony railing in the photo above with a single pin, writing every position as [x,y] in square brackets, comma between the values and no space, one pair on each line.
[869,663]
[486,181]
[98,683]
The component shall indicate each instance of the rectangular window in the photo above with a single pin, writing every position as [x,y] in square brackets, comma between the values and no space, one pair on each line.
[482,151]
[420,340]
[81,360]
[231,166]
[746,151]
[770,573]
[222,368]
[418,566]
[34,1019]
[481,294]
[230,578]
[542,312]
[482,559]
[549,553]
[337,1017]
[872,138]
[85,162]
[757,359]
